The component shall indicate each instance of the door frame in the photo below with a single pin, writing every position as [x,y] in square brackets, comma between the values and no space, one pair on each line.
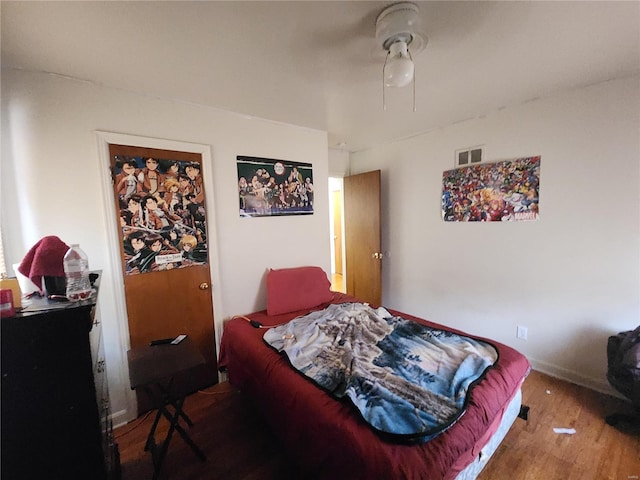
[105,138]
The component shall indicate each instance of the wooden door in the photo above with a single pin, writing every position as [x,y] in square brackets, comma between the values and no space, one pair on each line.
[163,246]
[362,237]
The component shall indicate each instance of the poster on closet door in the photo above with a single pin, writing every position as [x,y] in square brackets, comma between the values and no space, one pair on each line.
[269,187]
[161,204]
[505,191]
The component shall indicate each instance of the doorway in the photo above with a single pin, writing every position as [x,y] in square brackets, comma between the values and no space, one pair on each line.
[363,255]
[355,236]
[336,212]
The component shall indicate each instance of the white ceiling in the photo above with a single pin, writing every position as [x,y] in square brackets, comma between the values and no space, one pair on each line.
[317,64]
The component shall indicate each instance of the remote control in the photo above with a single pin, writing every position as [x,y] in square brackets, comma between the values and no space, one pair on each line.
[178,339]
[162,341]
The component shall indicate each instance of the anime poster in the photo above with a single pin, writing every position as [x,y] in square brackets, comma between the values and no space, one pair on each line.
[162,212]
[495,192]
[268,187]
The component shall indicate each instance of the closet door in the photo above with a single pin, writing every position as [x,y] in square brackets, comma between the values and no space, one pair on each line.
[160,200]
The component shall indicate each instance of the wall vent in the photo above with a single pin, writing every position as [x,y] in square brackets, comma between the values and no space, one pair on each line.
[469,156]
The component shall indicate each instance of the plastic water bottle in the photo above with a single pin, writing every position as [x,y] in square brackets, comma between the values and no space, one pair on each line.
[76,271]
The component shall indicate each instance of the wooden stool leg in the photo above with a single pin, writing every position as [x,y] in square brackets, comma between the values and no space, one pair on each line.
[174,420]
[168,399]
[159,451]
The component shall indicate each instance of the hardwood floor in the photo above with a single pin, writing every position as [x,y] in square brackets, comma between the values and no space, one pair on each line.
[532,450]
[239,446]
[337,283]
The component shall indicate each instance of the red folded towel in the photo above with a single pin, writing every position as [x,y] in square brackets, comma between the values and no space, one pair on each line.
[44,259]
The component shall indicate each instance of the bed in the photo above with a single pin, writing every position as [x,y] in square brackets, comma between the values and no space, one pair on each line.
[326,436]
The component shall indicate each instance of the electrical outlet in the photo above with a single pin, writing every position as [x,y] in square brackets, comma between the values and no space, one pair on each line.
[522,332]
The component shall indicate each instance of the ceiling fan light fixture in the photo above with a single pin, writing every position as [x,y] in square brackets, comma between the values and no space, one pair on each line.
[398,69]
[399,31]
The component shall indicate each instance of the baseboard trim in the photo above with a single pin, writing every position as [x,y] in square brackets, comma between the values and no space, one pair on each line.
[120,418]
[599,385]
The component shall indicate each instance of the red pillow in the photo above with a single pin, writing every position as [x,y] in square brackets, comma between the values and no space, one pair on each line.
[293,289]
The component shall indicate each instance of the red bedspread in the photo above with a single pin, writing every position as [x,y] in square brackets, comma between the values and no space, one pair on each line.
[329,440]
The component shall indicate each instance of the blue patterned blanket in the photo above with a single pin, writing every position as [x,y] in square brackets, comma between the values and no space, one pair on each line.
[407,380]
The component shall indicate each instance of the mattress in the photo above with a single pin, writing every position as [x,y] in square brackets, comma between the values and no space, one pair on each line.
[327,438]
[489,447]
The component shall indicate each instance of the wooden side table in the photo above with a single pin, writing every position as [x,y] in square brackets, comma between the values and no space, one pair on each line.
[153,368]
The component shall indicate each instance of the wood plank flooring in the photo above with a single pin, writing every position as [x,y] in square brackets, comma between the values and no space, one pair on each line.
[239,446]
[337,283]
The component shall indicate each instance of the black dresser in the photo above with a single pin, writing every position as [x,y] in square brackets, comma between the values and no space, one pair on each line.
[55,404]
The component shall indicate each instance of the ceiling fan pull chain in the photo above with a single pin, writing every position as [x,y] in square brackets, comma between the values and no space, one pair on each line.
[414,83]
[414,94]
[384,102]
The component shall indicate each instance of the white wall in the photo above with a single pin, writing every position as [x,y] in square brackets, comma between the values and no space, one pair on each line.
[572,277]
[51,185]
[338,163]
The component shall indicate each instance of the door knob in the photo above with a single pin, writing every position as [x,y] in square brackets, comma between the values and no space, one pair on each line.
[204,286]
